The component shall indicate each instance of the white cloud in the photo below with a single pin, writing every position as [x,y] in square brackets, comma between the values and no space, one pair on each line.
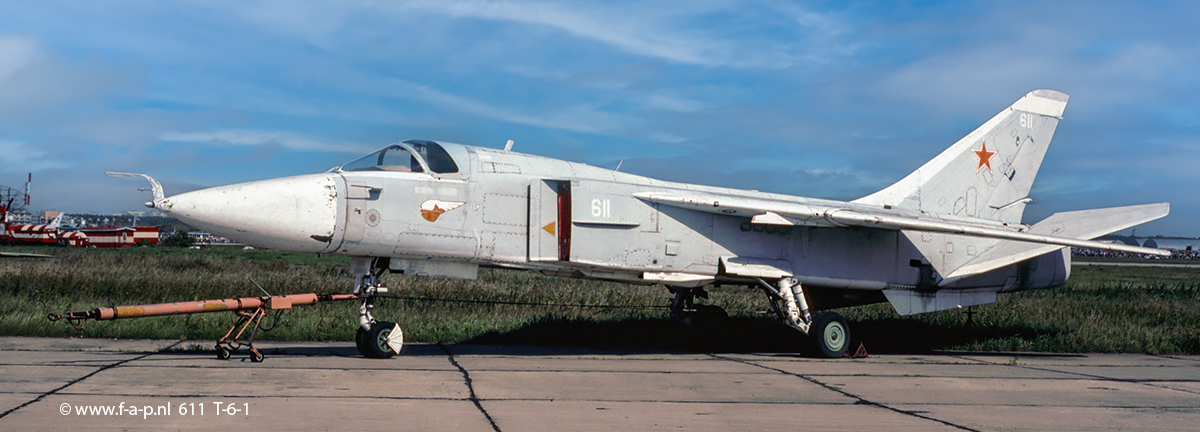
[653,79]
[314,21]
[1105,52]
[16,53]
[579,118]
[629,32]
[701,33]
[31,80]
[665,138]
[667,102]
[258,137]
[708,33]
[24,157]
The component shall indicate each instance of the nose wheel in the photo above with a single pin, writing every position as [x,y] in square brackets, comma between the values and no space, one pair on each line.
[383,340]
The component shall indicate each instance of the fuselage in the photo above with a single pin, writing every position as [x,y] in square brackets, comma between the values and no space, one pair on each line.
[451,208]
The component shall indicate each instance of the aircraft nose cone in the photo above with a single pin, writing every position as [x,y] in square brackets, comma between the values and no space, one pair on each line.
[291,213]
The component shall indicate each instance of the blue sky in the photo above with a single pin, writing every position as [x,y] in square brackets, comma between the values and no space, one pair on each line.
[822,99]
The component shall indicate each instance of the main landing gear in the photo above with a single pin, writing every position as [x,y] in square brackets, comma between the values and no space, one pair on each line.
[374,339]
[827,331]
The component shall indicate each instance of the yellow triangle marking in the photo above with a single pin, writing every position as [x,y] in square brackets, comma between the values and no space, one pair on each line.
[549,228]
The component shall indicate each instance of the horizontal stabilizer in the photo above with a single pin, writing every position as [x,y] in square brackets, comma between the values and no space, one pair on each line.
[1083,224]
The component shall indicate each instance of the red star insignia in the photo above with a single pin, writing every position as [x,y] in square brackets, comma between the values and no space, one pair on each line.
[985,158]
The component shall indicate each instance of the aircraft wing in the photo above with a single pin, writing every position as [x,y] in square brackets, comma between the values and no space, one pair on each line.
[773,212]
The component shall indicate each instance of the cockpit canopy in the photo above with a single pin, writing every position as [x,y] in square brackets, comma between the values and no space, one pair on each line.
[409,156]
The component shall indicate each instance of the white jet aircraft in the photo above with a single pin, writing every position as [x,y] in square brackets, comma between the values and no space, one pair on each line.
[949,235]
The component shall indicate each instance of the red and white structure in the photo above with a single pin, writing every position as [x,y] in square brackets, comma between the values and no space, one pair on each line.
[111,237]
[30,234]
[50,234]
[73,239]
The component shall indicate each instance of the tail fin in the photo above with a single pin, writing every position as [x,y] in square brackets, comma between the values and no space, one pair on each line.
[56,222]
[988,173]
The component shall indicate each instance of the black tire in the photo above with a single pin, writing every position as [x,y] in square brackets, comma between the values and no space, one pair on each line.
[375,344]
[255,356]
[359,337]
[830,334]
[222,353]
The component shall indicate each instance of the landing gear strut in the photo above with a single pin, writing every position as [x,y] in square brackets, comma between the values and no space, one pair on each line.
[827,331]
[374,339]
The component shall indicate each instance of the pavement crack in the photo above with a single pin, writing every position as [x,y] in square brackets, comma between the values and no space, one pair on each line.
[1158,384]
[470,387]
[858,400]
[1147,383]
[80,379]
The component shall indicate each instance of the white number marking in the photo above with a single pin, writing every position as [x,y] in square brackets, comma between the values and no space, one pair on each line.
[601,208]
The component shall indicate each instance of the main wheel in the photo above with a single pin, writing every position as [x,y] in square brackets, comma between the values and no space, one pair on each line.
[222,353]
[382,341]
[830,334]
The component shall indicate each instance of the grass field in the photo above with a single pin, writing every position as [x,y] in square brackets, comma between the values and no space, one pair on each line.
[1102,308]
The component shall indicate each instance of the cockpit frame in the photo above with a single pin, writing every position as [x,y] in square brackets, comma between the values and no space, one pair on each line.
[425,157]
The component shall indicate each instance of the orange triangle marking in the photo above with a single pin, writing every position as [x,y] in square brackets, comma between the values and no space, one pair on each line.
[861,353]
[549,228]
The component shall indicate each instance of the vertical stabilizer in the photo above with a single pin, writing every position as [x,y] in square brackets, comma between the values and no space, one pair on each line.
[56,222]
[988,173]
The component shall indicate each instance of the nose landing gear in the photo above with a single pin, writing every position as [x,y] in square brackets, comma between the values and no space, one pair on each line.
[374,339]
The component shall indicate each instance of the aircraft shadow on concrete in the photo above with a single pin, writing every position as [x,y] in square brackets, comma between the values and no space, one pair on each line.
[891,335]
[737,335]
